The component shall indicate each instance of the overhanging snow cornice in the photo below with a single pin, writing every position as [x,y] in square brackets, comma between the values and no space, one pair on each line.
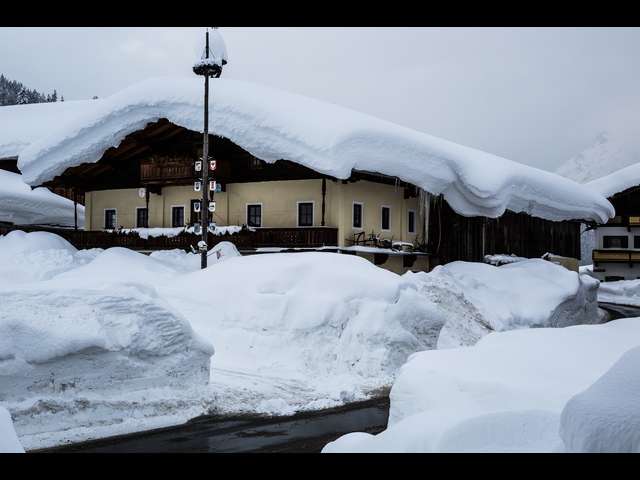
[273,125]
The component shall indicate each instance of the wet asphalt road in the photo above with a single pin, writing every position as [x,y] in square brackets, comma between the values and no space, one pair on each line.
[620,311]
[302,433]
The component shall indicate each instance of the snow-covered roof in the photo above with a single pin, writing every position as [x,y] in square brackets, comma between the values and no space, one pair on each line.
[21,205]
[617,182]
[274,125]
[22,125]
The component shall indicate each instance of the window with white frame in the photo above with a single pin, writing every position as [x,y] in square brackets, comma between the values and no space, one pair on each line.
[358,215]
[110,216]
[305,214]
[254,215]
[177,216]
[385,221]
[142,217]
[411,222]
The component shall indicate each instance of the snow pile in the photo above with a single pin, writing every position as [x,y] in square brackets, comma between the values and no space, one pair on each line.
[83,350]
[624,292]
[498,260]
[480,298]
[38,256]
[22,206]
[123,342]
[606,417]
[508,392]
[273,125]
[101,348]
[335,322]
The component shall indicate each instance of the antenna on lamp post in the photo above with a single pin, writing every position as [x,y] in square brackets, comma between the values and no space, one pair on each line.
[210,66]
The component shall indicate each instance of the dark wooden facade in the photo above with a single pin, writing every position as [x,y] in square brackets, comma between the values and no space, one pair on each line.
[627,204]
[453,237]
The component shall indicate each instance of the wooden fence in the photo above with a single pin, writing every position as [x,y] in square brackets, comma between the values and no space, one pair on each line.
[247,240]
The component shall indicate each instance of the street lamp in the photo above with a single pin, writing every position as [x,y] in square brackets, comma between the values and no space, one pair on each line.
[208,65]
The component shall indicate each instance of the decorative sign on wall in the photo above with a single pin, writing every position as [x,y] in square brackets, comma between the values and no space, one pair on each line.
[198,186]
[213,165]
[212,206]
[196,207]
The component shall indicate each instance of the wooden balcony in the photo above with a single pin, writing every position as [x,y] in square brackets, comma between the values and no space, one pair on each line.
[179,172]
[616,256]
[628,221]
[166,172]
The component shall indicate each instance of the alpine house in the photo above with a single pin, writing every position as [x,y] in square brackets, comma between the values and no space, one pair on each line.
[296,173]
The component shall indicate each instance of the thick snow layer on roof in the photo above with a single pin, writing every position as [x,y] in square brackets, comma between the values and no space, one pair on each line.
[617,182]
[274,125]
[21,205]
[21,125]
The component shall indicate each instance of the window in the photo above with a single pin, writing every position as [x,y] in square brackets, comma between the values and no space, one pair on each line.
[110,219]
[142,217]
[177,217]
[254,215]
[411,222]
[386,218]
[305,214]
[636,242]
[616,242]
[357,215]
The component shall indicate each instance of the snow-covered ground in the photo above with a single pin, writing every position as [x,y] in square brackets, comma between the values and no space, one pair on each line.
[98,343]
[536,390]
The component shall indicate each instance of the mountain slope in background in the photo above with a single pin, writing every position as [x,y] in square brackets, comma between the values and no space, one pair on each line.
[604,158]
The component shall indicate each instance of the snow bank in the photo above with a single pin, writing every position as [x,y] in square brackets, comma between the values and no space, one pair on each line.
[109,342]
[332,321]
[507,393]
[22,206]
[274,125]
[606,417]
[479,298]
[83,349]
[9,442]
[624,292]
[38,256]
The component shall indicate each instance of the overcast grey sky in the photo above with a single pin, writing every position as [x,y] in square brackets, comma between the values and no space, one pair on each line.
[537,96]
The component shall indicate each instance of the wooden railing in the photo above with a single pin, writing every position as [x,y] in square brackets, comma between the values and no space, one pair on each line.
[166,171]
[620,256]
[295,237]
[265,237]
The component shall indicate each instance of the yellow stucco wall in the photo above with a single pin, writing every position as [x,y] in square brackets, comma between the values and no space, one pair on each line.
[279,201]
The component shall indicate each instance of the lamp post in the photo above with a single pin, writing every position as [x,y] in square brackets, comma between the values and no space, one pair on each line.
[210,66]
